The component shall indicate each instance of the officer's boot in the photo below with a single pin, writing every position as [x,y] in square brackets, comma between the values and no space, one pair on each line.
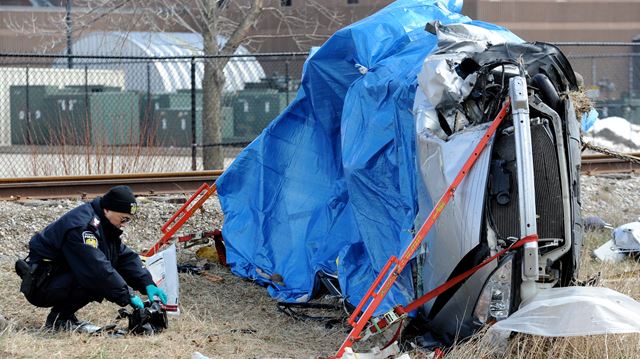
[52,319]
[58,322]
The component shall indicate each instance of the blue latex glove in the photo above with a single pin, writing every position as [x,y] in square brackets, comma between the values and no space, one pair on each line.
[153,291]
[136,302]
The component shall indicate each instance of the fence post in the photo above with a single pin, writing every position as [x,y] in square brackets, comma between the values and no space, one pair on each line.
[148,83]
[193,114]
[631,75]
[86,98]
[26,93]
[593,71]
[69,31]
[286,79]
[149,113]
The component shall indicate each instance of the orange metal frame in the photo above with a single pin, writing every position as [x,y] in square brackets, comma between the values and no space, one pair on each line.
[373,297]
[182,215]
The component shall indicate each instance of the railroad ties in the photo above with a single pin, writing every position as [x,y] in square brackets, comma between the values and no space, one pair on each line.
[82,187]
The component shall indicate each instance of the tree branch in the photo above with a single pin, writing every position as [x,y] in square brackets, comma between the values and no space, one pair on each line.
[241,31]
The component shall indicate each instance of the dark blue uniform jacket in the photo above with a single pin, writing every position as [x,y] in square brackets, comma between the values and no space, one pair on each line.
[84,242]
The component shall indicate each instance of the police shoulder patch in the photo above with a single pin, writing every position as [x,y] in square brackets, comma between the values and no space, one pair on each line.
[90,239]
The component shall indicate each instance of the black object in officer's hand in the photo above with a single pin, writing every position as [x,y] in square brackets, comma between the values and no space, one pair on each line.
[149,320]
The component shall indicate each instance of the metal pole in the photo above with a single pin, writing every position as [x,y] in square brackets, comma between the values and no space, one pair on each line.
[86,98]
[286,78]
[593,72]
[149,80]
[193,114]
[631,92]
[150,111]
[26,93]
[68,22]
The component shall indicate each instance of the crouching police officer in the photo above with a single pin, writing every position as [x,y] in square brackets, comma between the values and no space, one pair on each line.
[80,258]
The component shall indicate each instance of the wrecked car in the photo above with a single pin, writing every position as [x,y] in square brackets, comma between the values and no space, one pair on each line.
[388,111]
[508,197]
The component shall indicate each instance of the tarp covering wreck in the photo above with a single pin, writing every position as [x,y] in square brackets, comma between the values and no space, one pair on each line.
[330,185]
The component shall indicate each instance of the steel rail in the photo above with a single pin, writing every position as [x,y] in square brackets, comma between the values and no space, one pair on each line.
[599,156]
[188,182]
[601,164]
[90,186]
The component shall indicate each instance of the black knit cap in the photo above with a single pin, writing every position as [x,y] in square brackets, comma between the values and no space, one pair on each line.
[120,199]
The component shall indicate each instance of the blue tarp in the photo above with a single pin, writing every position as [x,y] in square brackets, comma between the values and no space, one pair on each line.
[330,183]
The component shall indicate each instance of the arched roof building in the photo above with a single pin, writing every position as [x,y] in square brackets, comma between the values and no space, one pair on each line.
[160,75]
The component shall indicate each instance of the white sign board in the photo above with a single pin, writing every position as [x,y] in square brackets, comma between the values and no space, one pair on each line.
[164,270]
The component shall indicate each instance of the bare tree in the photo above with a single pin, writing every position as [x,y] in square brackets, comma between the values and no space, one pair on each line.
[224,25]
[234,20]
[214,79]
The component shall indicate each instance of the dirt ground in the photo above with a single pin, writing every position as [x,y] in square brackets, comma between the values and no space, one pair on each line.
[235,318]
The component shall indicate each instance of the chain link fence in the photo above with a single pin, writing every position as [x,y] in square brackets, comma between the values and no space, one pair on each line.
[611,75]
[76,115]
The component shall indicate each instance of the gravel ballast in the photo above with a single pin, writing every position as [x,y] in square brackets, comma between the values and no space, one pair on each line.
[613,198]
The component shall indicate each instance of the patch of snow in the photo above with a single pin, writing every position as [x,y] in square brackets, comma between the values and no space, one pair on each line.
[615,133]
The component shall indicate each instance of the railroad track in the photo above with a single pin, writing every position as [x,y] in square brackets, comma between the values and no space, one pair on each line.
[600,164]
[188,182]
[90,186]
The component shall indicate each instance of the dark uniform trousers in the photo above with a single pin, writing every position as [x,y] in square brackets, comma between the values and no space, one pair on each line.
[63,293]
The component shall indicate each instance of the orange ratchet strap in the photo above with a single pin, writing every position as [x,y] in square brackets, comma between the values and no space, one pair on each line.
[199,197]
[400,312]
[373,297]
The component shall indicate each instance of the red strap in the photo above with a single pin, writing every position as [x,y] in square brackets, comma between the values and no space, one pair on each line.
[374,297]
[460,277]
[186,212]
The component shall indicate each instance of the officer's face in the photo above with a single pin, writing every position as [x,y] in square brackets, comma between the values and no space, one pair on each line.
[118,219]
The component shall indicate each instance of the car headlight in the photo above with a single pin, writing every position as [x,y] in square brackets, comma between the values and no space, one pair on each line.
[494,302]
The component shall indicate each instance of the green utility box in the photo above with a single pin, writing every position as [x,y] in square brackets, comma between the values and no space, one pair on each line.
[92,88]
[182,99]
[69,122]
[114,118]
[173,128]
[254,109]
[150,106]
[29,119]
[227,124]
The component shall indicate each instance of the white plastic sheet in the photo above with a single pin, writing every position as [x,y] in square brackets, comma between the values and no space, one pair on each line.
[164,270]
[608,252]
[627,237]
[376,353]
[573,311]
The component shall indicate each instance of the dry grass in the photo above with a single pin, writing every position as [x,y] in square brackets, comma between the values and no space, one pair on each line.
[581,102]
[234,318]
[623,277]
[231,319]
[237,319]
